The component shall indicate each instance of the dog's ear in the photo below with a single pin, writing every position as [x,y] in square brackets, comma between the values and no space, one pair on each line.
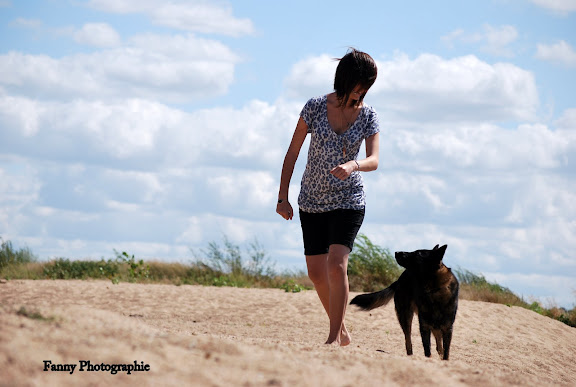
[442,250]
[435,247]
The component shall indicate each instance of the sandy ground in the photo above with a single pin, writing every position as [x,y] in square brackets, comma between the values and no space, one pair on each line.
[209,336]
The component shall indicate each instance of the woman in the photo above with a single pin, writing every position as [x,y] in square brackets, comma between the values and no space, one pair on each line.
[331,200]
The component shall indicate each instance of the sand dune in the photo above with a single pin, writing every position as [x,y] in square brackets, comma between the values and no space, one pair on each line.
[209,336]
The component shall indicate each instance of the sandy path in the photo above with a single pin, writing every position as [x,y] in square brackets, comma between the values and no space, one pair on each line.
[209,336]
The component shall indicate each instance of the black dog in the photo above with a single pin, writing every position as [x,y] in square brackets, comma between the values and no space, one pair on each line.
[426,287]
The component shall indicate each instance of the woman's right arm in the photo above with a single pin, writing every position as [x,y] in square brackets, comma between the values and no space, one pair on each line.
[284,208]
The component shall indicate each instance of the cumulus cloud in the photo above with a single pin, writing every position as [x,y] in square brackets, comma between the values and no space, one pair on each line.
[19,189]
[311,76]
[178,68]
[98,35]
[525,220]
[280,239]
[120,129]
[196,16]
[430,88]
[256,132]
[17,186]
[493,40]
[465,88]
[147,171]
[561,53]
[483,174]
[480,146]
[147,132]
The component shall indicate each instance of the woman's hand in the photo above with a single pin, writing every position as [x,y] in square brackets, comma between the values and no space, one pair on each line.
[285,210]
[343,171]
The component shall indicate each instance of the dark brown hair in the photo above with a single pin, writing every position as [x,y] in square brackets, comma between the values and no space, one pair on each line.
[355,68]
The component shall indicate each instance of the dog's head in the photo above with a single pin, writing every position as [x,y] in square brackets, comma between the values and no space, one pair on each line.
[422,260]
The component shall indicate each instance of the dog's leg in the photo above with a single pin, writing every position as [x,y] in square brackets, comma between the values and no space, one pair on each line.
[438,336]
[425,334]
[405,315]
[447,338]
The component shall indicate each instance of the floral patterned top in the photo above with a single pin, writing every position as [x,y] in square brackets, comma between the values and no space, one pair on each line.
[320,191]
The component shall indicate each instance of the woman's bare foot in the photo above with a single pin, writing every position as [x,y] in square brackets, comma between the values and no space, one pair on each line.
[345,338]
[335,343]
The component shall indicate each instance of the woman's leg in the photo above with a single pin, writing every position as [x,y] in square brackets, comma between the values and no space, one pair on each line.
[339,290]
[318,274]
[328,273]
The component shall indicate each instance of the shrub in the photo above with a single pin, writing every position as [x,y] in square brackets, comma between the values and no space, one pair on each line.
[228,260]
[475,287]
[136,269]
[10,256]
[371,267]
[62,268]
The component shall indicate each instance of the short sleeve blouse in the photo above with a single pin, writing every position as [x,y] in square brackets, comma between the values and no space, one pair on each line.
[320,191]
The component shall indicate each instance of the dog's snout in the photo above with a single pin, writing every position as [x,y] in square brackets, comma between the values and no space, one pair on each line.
[401,258]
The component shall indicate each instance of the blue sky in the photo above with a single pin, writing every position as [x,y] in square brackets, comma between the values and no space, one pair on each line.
[157,127]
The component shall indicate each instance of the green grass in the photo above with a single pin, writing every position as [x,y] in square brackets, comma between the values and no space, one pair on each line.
[475,287]
[33,315]
[11,256]
[370,268]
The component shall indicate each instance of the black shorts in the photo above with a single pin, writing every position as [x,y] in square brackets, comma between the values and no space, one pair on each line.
[320,230]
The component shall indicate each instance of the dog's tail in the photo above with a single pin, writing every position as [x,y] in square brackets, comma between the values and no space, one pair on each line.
[374,300]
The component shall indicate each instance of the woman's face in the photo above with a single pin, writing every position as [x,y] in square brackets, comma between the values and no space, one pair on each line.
[357,93]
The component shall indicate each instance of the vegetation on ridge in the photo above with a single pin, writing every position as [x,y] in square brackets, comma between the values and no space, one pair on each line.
[370,268]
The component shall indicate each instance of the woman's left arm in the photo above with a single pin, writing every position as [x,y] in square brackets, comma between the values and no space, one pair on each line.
[370,163]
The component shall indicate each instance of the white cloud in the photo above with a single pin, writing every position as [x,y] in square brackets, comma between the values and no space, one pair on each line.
[196,16]
[459,88]
[562,7]
[148,132]
[561,52]
[98,35]
[504,181]
[257,132]
[108,132]
[483,146]
[135,186]
[494,40]
[177,68]
[280,239]
[311,76]
[249,190]
[19,188]
[22,114]
[430,88]
[184,46]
